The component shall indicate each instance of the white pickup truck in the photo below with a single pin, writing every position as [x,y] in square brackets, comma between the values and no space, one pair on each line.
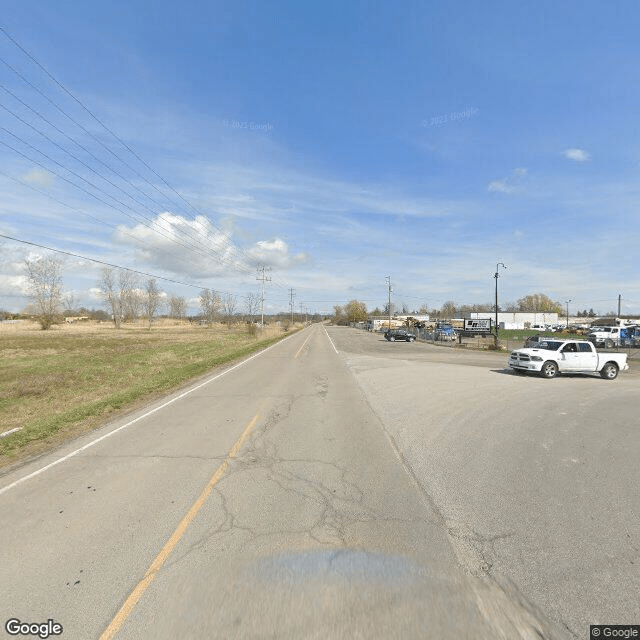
[608,337]
[550,357]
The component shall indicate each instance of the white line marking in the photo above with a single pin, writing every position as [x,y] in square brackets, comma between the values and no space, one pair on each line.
[330,340]
[128,424]
[302,347]
[6,433]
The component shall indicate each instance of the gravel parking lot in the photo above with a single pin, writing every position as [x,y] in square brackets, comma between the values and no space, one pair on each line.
[537,479]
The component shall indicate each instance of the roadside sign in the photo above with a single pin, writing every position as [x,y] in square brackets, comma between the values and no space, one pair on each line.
[477,325]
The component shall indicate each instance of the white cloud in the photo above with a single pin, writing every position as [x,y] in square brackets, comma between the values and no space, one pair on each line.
[38,178]
[273,194]
[196,248]
[13,285]
[275,253]
[174,243]
[578,155]
[501,186]
[510,183]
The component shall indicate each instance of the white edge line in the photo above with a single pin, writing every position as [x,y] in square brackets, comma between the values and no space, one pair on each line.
[145,415]
[330,340]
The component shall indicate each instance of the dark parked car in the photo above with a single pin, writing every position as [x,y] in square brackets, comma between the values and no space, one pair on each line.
[399,334]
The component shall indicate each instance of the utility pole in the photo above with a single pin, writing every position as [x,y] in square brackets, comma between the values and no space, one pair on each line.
[567,303]
[619,303]
[291,294]
[496,276]
[264,278]
[388,281]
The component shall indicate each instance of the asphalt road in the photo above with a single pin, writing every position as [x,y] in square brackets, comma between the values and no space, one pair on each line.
[338,486]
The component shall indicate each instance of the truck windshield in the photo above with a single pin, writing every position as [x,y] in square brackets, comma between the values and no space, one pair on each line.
[549,345]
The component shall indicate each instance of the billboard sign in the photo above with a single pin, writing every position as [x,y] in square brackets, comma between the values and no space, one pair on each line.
[477,325]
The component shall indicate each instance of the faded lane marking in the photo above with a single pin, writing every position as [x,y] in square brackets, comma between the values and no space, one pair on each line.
[161,558]
[302,347]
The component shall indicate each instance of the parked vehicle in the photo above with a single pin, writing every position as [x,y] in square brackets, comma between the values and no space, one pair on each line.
[444,332]
[399,334]
[609,336]
[550,357]
[633,337]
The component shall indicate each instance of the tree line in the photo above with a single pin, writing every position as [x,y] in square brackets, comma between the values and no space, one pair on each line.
[126,297]
[356,310]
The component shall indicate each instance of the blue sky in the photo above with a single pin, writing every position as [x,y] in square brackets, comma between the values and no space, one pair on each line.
[337,143]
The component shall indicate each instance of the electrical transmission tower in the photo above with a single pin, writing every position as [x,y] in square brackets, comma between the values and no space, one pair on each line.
[264,278]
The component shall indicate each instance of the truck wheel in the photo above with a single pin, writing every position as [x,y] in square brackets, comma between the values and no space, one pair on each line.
[549,369]
[608,343]
[609,371]
[392,338]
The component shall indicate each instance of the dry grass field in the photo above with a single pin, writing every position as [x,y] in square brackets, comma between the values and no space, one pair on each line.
[58,383]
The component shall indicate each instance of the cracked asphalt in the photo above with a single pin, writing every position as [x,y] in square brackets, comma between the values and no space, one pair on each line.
[383,490]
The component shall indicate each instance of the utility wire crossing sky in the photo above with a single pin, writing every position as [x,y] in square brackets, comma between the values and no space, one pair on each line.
[335,145]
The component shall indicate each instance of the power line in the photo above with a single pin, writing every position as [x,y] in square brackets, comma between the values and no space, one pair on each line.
[108,264]
[203,249]
[235,265]
[72,208]
[93,195]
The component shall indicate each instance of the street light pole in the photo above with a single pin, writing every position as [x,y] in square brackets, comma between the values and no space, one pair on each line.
[567,303]
[496,276]
[388,280]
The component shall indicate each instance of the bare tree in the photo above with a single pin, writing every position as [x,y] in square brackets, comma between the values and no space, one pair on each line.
[229,305]
[449,309]
[131,296]
[69,302]
[111,294]
[152,300]
[251,304]
[385,311]
[44,276]
[210,305]
[177,306]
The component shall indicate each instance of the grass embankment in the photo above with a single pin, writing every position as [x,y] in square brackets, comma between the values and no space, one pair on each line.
[59,383]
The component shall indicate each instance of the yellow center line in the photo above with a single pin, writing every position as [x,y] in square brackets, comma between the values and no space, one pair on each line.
[161,558]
